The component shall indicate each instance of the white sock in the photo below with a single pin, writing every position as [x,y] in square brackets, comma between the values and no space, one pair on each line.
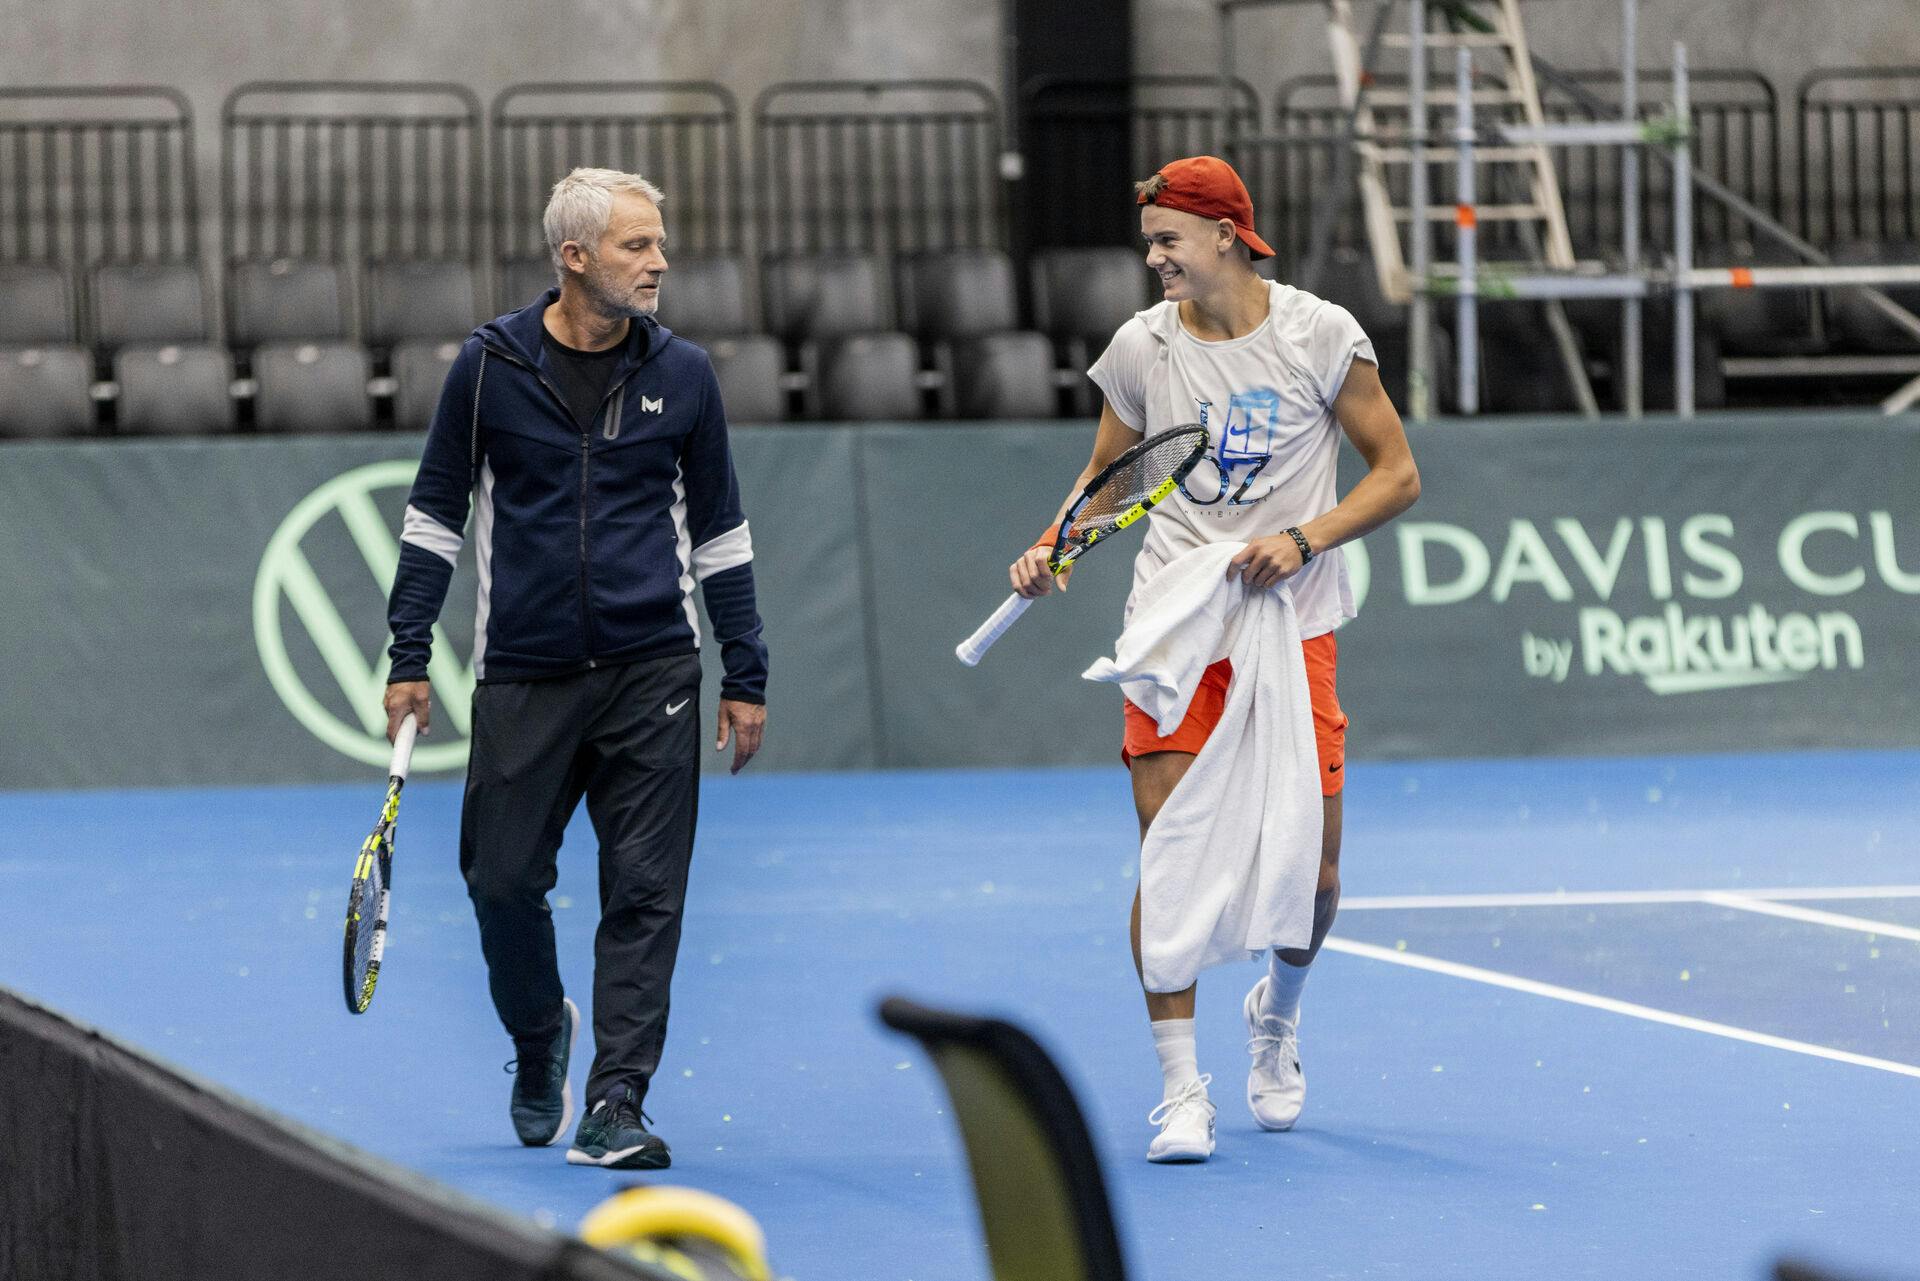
[1284,983]
[1179,1062]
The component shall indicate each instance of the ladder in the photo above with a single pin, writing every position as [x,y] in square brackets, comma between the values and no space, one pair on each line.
[1394,151]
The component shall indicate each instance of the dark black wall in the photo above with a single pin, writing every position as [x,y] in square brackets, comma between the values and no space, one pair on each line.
[1070,67]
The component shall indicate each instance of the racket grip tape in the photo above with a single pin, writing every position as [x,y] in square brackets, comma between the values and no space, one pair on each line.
[403,747]
[971,650]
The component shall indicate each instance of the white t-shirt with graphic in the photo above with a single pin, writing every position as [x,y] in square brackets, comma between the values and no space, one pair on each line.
[1266,400]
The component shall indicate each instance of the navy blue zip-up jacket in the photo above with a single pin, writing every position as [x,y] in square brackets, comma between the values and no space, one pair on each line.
[590,542]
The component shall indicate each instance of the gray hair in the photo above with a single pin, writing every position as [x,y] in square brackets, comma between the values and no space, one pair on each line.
[582,204]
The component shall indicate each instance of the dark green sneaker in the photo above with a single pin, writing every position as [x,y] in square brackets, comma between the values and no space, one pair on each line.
[614,1135]
[542,1102]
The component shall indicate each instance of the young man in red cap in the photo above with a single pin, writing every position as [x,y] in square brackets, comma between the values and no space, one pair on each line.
[1274,375]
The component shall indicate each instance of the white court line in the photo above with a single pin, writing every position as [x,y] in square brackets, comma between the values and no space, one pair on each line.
[1454,969]
[1748,904]
[1592,898]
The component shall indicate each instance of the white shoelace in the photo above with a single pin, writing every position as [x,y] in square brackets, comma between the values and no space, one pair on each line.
[1194,1091]
[1264,1043]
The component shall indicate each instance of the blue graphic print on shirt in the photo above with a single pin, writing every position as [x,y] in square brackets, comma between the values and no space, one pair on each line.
[1244,449]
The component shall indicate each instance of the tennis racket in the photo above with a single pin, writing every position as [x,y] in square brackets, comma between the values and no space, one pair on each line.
[372,883]
[1125,490]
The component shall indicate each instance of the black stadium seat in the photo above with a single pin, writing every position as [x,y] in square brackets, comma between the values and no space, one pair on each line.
[419,300]
[959,293]
[836,313]
[174,389]
[869,377]
[311,387]
[35,304]
[148,302]
[963,306]
[521,280]
[286,300]
[419,371]
[46,391]
[1006,375]
[1349,279]
[1521,371]
[1709,382]
[704,297]
[1089,292]
[1081,296]
[1755,322]
[827,296]
[748,367]
[1858,325]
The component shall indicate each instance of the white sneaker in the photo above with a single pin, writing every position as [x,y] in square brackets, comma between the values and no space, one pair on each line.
[1276,1087]
[1186,1124]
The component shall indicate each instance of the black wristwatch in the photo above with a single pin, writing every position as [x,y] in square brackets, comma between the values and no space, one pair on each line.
[1300,540]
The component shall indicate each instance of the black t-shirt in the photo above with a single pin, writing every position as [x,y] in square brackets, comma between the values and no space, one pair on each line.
[582,376]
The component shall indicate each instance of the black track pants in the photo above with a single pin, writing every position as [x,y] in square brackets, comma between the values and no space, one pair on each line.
[627,739]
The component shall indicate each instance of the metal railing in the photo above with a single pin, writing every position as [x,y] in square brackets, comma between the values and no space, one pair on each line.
[888,166]
[1859,149]
[1735,136]
[351,171]
[97,174]
[1153,119]
[683,136]
[1300,163]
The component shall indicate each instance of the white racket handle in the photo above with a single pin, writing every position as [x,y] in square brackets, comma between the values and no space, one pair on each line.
[971,650]
[403,747]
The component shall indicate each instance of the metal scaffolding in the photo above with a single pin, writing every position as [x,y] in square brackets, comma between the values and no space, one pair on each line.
[1470,280]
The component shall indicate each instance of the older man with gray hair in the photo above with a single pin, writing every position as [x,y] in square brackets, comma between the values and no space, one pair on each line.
[591,448]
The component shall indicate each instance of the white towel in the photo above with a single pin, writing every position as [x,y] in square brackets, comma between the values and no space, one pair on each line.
[1229,867]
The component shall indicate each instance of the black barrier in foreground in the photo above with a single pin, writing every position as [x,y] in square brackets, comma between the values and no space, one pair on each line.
[118,1166]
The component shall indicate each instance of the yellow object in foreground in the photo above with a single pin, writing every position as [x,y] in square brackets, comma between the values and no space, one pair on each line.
[673,1227]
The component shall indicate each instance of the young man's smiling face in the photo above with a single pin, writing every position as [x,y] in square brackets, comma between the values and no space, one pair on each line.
[1183,249]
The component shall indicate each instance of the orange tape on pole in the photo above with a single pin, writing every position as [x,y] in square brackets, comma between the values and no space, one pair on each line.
[1742,277]
[1464,216]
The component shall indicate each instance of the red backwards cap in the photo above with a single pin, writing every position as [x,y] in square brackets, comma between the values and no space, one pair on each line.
[1208,186]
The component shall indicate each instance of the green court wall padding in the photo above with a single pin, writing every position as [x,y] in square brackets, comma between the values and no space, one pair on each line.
[213,612]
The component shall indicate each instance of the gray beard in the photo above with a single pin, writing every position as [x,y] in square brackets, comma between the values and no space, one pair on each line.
[607,304]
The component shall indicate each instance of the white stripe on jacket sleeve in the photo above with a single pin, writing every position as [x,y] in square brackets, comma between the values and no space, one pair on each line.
[735,547]
[429,535]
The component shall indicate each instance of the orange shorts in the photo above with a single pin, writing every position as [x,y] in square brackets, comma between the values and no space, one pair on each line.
[1329,722]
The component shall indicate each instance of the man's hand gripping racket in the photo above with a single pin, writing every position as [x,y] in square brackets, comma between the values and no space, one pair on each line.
[1125,490]
[371,892]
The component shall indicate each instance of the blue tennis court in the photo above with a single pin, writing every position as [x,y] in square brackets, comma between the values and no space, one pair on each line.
[1648,1017]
